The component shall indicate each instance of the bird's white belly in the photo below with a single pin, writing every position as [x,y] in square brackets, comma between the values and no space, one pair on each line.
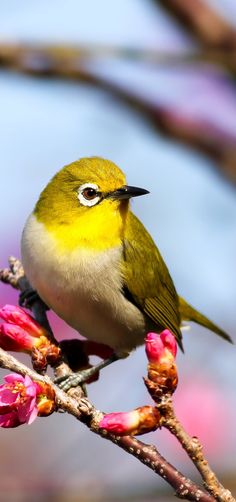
[83,287]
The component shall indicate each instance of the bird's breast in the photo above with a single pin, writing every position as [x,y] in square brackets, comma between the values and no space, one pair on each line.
[83,287]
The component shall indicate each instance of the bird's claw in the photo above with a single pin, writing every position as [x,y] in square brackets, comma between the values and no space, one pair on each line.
[68,381]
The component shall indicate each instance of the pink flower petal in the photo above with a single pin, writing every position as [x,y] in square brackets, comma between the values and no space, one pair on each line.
[9,420]
[31,387]
[154,347]
[14,377]
[169,341]
[33,415]
[25,410]
[7,396]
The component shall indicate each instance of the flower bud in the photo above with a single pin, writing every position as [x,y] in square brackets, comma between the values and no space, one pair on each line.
[44,353]
[15,339]
[169,341]
[16,315]
[21,333]
[161,348]
[140,421]
[162,371]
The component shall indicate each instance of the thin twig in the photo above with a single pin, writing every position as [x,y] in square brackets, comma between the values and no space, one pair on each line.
[194,449]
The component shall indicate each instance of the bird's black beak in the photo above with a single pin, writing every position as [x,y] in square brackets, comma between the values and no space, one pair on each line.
[126,192]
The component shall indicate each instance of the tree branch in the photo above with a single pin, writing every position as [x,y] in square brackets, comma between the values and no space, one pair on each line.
[194,450]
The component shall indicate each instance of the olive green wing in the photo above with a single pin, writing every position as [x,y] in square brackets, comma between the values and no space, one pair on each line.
[147,278]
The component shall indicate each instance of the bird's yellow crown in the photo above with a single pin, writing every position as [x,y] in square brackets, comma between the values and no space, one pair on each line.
[76,209]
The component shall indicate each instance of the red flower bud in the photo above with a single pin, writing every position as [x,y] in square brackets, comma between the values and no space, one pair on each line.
[169,341]
[140,421]
[14,338]
[162,371]
[21,333]
[16,315]
[160,348]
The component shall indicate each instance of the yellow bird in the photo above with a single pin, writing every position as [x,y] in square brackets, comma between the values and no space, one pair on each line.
[93,262]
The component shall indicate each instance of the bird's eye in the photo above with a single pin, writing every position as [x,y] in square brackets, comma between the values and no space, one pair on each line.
[89,194]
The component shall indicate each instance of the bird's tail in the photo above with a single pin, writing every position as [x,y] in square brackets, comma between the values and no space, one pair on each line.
[188,313]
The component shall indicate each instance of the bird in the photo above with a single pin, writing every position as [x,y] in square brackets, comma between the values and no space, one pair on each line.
[91,260]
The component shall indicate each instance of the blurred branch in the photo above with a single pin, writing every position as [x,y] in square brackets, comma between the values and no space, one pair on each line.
[216,36]
[15,54]
[200,19]
[196,133]
[75,403]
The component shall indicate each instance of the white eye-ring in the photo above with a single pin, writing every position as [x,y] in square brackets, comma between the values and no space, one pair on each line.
[89,194]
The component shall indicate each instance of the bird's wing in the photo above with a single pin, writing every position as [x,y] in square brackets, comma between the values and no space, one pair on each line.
[147,278]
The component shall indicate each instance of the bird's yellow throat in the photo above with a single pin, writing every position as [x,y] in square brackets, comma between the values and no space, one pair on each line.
[99,228]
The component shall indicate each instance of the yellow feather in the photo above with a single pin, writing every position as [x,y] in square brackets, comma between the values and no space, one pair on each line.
[91,229]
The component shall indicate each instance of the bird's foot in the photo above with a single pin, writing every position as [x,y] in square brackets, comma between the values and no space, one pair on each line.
[68,381]
[28,297]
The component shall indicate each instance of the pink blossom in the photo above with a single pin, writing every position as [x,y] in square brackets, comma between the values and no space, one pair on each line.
[16,315]
[160,348]
[18,400]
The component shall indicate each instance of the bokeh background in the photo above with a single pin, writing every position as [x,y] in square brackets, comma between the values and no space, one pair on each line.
[159,99]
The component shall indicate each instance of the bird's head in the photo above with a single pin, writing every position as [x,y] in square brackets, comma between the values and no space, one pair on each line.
[88,197]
